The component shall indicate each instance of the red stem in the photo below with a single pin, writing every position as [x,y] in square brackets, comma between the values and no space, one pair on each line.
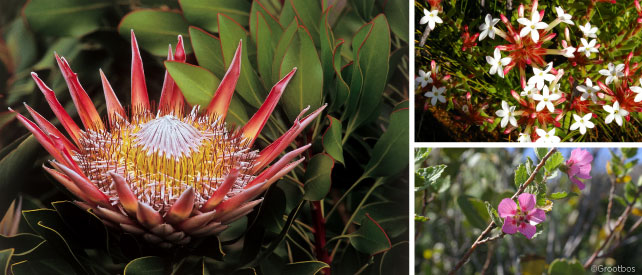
[319,236]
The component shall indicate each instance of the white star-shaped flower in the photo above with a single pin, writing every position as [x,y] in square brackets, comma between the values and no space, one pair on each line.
[546,137]
[615,113]
[588,47]
[540,76]
[588,90]
[564,17]
[546,100]
[423,78]
[437,94]
[487,29]
[497,63]
[582,122]
[588,30]
[523,138]
[431,18]
[532,26]
[507,115]
[529,91]
[569,52]
[613,72]
[638,91]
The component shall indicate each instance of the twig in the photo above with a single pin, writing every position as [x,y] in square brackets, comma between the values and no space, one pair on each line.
[610,205]
[619,222]
[491,225]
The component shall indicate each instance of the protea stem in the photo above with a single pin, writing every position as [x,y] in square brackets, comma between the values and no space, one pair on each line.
[319,235]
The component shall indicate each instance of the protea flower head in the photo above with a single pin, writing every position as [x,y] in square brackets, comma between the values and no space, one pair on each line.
[168,174]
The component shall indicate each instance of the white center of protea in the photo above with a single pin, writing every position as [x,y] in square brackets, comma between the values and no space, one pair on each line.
[168,136]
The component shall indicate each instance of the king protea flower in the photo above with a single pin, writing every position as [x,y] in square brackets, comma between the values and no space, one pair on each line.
[165,173]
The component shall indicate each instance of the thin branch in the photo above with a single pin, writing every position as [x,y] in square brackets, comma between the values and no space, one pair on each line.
[489,255]
[610,205]
[492,225]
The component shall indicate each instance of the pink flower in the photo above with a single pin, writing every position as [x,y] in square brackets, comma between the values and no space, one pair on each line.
[579,166]
[522,218]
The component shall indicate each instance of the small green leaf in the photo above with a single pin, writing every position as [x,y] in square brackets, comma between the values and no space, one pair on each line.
[541,152]
[420,218]
[474,210]
[630,192]
[554,162]
[66,17]
[306,87]
[318,177]
[390,154]
[494,216]
[303,268]
[629,152]
[155,30]
[370,237]
[559,195]
[197,84]
[248,86]
[565,267]
[332,139]
[429,175]
[342,87]
[207,49]
[149,265]
[421,154]
[203,13]
[520,175]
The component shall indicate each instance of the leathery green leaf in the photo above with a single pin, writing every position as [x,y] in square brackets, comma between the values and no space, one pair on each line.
[5,258]
[307,267]
[273,23]
[155,30]
[65,17]
[474,210]
[397,12]
[248,86]
[306,87]
[197,84]
[282,46]
[148,265]
[342,88]
[207,49]
[203,12]
[390,154]
[370,238]
[22,243]
[374,67]
[309,14]
[318,177]
[326,52]
[266,43]
[332,140]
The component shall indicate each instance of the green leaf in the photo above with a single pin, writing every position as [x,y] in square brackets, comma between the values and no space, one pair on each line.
[494,216]
[5,259]
[13,166]
[207,49]
[48,225]
[197,84]
[267,40]
[148,265]
[21,44]
[272,209]
[303,268]
[309,14]
[86,227]
[474,210]
[342,87]
[370,237]
[318,177]
[236,114]
[397,13]
[21,243]
[390,215]
[155,30]
[374,67]
[66,17]
[326,55]
[630,192]
[520,175]
[390,154]
[559,195]
[43,259]
[306,87]
[421,154]
[541,152]
[248,86]
[554,162]
[629,152]
[332,140]
[257,10]
[203,12]
[364,8]
[565,267]
[281,47]
[428,176]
